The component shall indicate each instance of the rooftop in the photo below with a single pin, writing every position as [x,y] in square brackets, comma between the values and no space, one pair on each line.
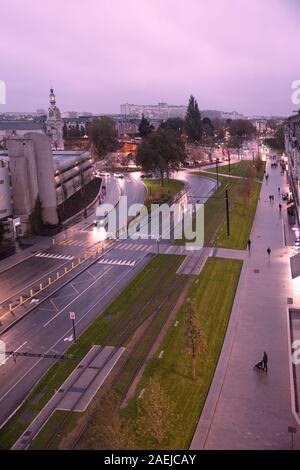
[20,125]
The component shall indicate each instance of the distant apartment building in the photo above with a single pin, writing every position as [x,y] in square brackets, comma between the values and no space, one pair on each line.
[159,111]
[292,150]
[231,115]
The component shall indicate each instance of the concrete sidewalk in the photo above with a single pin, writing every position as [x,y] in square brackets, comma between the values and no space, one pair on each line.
[245,409]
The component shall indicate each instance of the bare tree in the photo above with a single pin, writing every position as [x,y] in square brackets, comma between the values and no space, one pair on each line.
[107,430]
[195,341]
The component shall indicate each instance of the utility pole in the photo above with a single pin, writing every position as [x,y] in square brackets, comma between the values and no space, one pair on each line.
[229,158]
[217,170]
[72,317]
[227,212]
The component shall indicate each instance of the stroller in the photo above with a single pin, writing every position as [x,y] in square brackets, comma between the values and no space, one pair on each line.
[259,366]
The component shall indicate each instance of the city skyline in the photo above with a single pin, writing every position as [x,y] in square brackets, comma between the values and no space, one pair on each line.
[231,55]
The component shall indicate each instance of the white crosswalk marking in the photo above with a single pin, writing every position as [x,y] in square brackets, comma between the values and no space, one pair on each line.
[73,242]
[117,262]
[53,256]
[135,246]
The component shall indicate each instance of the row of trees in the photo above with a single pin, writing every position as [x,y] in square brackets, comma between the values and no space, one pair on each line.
[163,150]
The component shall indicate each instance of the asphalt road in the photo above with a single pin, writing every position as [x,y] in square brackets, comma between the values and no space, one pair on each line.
[48,327]
[20,278]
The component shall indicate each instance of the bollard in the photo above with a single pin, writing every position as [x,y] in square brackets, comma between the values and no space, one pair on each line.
[66,270]
[57,275]
[72,264]
[31,292]
[49,280]
[10,307]
[41,286]
[21,299]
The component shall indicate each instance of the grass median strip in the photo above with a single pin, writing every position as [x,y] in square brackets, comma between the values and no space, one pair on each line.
[242,208]
[239,169]
[157,276]
[158,194]
[213,292]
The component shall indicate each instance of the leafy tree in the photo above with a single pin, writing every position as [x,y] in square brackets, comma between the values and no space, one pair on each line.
[241,128]
[176,124]
[258,163]
[107,430]
[103,136]
[65,131]
[145,127]
[192,121]
[277,142]
[207,127]
[4,230]
[36,217]
[219,128]
[155,413]
[246,187]
[161,151]
[195,341]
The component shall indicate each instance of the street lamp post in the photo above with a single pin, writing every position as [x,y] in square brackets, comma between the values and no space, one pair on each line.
[157,244]
[227,212]
[72,317]
[217,170]
[229,159]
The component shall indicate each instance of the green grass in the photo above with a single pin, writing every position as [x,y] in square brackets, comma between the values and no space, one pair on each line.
[151,282]
[240,215]
[158,194]
[213,291]
[239,169]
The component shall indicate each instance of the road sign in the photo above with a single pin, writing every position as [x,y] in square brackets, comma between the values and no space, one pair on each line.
[72,316]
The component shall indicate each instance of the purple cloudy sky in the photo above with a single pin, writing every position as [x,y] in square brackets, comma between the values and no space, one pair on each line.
[231,54]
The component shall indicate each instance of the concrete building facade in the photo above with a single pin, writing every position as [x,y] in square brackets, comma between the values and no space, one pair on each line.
[31,167]
[157,111]
[6,208]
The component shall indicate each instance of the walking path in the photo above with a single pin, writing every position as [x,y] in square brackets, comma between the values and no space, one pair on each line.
[245,409]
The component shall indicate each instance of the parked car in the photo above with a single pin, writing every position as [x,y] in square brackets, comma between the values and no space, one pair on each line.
[285,196]
[118,175]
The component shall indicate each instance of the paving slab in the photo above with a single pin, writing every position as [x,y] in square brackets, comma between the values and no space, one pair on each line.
[88,379]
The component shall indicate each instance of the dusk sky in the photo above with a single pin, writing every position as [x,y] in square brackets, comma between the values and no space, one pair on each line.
[231,54]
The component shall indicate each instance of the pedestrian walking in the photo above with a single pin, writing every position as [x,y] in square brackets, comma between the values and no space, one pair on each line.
[270,198]
[267,176]
[278,190]
[280,207]
[269,251]
[249,244]
[265,361]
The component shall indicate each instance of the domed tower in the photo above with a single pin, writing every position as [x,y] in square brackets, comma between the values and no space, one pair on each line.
[54,124]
